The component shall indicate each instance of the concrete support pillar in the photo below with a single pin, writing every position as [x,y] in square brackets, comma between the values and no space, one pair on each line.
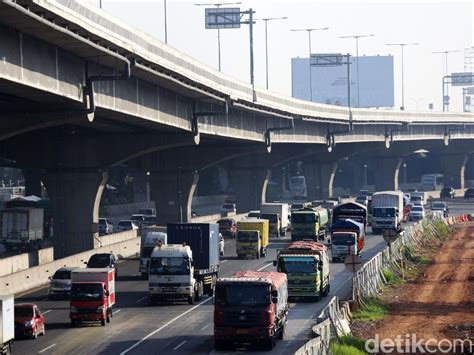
[141,188]
[75,197]
[360,176]
[386,173]
[327,173]
[173,193]
[250,185]
[32,182]
[453,169]
[311,174]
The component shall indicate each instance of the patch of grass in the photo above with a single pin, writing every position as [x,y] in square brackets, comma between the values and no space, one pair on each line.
[353,341]
[391,277]
[422,260]
[339,349]
[373,310]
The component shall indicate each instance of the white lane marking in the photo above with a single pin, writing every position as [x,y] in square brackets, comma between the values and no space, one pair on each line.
[179,345]
[163,326]
[49,310]
[49,347]
[342,284]
[117,311]
[206,326]
[224,261]
[264,267]
[141,299]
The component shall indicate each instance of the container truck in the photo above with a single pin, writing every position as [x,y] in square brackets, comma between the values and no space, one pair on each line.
[22,228]
[309,223]
[350,210]
[92,295]
[387,211]
[250,306]
[279,225]
[188,266]
[7,323]
[252,238]
[306,264]
[347,238]
[152,239]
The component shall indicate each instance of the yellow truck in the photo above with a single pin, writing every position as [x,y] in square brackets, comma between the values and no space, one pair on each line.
[252,238]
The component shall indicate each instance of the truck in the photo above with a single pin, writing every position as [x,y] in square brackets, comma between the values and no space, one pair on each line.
[92,295]
[347,238]
[277,214]
[252,238]
[188,266]
[22,228]
[306,264]
[7,323]
[419,197]
[387,211]
[152,239]
[350,210]
[309,223]
[250,306]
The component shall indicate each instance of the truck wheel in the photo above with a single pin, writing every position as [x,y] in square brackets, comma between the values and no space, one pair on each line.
[191,299]
[102,322]
[334,260]
[144,275]
[107,318]
[73,323]
[220,345]
[269,344]
[281,334]
[258,255]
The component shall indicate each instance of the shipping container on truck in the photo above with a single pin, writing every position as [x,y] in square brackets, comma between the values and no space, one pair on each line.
[92,295]
[347,238]
[307,265]
[350,210]
[252,238]
[283,210]
[7,323]
[309,223]
[22,228]
[387,211]
[250,307]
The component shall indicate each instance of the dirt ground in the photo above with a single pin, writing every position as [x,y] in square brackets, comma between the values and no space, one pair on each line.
[440,303]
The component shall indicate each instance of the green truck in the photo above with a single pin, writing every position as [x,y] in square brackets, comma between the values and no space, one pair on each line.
[306,264]
[309,223]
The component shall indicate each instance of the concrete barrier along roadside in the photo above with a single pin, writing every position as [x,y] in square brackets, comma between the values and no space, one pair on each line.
[24,261]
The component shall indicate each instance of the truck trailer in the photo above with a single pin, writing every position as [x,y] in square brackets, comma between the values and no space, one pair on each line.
[22,228]
[7,323]
[252,238]
[350,210]
[250,307]
[278,225]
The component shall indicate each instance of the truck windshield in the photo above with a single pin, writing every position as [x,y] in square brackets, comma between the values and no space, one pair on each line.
[146,251]
[383,212]
[169,266]
[303,218]
[272,217]
[244,236]
[242,295]
[343,239]
[297,265]
[86,292]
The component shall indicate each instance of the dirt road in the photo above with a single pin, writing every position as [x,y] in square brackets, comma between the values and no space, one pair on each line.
[440,304]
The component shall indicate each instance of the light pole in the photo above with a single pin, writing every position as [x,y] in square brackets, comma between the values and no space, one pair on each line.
[402,46]
[446,70]
[356,37]
[266,41]
[218,5]
[166,27]
[309,30]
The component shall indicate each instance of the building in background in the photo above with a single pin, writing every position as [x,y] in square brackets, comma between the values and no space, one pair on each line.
[329,83]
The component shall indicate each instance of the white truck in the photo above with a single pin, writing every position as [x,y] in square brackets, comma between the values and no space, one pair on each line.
[419,197]
[7,323]
[387,211]
[152,239]
[279,223]
[22,228]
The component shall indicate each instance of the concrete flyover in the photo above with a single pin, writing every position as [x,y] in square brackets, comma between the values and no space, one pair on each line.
[81,92]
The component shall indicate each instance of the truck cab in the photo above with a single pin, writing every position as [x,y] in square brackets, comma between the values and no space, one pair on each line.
[347,238]
[309,223]
[275,222]
[252,238]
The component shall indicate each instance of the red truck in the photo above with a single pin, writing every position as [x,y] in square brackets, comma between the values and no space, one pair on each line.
[250,307]
[347,238]
[92,295]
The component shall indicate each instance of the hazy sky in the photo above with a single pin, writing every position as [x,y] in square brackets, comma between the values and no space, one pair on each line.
[436,26]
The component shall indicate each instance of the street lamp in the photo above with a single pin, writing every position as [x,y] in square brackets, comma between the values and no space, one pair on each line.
[309,30]
[166,27]
[218,5]
[446,70]
[266,42]
[356,37]
[402,46]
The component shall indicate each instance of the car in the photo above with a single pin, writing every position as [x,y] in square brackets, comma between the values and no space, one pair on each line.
[346,197]
[150,220]
[447,192]
[60,283]
[297,206]
[362,199]
[228,208]
[105,226]
[126,225]
[221,244]
[440,206]
[228,227]
[469,193]
[147,211]
[336,199]
[138,219]
[29,321]
[253,214]
[364,193]
[416,213]
[103,260]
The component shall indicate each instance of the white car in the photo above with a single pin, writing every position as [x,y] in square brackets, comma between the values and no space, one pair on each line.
[228,207]
[126,225]
[221,244]
[416,213]
[253,215]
